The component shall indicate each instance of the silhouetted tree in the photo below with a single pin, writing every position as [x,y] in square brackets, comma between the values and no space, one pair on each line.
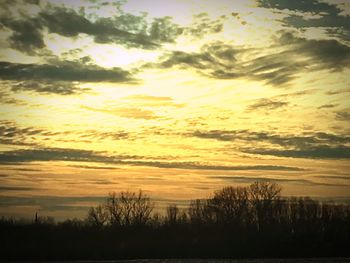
[231,205]
[252,221]
[263,196]
[129,208]
[172,214]
[97,216]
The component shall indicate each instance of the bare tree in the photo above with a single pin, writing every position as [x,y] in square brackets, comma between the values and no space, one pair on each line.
[263,196]
[128,208]
[200,212]
[113,208]
[97,216]
[231,204]
[141,208]
[172,214]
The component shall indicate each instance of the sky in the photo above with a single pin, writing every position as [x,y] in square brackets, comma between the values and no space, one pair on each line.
[178,98]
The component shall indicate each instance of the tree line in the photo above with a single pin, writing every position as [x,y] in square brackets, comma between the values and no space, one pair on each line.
[235,222]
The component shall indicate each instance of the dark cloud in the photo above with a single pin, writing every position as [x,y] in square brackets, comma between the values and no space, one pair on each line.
[6,98]
[199,166]
[267,104]
[327,106]
[133,113]
[327,152]
[342,116]
[125,28]
[328,15]
[76,155]
[164,30]
[58,77]
[312,145]
[53,154]
[338,91]
[251,179]
[47,87]
[302,6]
[203,25]
[61,71]
[99,135]
[52,203]
[27,35]
[11,134]
[16,188]
[340,33]
[95,167]
[224,61]
[282,140]
[323,53]
[340,177]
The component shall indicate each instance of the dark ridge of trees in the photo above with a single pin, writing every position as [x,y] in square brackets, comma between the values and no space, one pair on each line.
[236,222]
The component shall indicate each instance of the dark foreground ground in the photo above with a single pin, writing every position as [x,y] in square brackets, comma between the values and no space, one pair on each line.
[311,260]
[236,223]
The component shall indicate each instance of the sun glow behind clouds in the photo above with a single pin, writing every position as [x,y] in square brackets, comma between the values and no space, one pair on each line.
[108,98]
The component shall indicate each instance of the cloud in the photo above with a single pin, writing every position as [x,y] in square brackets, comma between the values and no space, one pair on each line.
[6,98]
[317,152]
[11,134]
[61,71]
[303,6]
[312,145]
[338,91]
[15,188]
[58,77]
[77,155]
[323,53]
[327,106]
[282,140]
[203,25]
[342,116]
[325,15]
[51,203]
[267,104]
[199,166]
[52,154]
[121,30]
[224,61]
[95,167]
[124,28]
[133,113]
[47,87]
[27,35]
[153,101]
[251,179]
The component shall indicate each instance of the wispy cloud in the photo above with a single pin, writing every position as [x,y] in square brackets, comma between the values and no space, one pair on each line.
[4,188]
[76,155]
[59,76]
[331,152]
[343,116]
[133,113]
[125,28]
[251,179]
[267,104]
[153,101]
[225,61]
[314,145]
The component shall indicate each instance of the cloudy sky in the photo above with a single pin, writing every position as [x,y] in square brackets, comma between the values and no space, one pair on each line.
[178,98]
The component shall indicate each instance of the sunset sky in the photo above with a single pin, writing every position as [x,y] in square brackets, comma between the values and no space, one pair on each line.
[178,98]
